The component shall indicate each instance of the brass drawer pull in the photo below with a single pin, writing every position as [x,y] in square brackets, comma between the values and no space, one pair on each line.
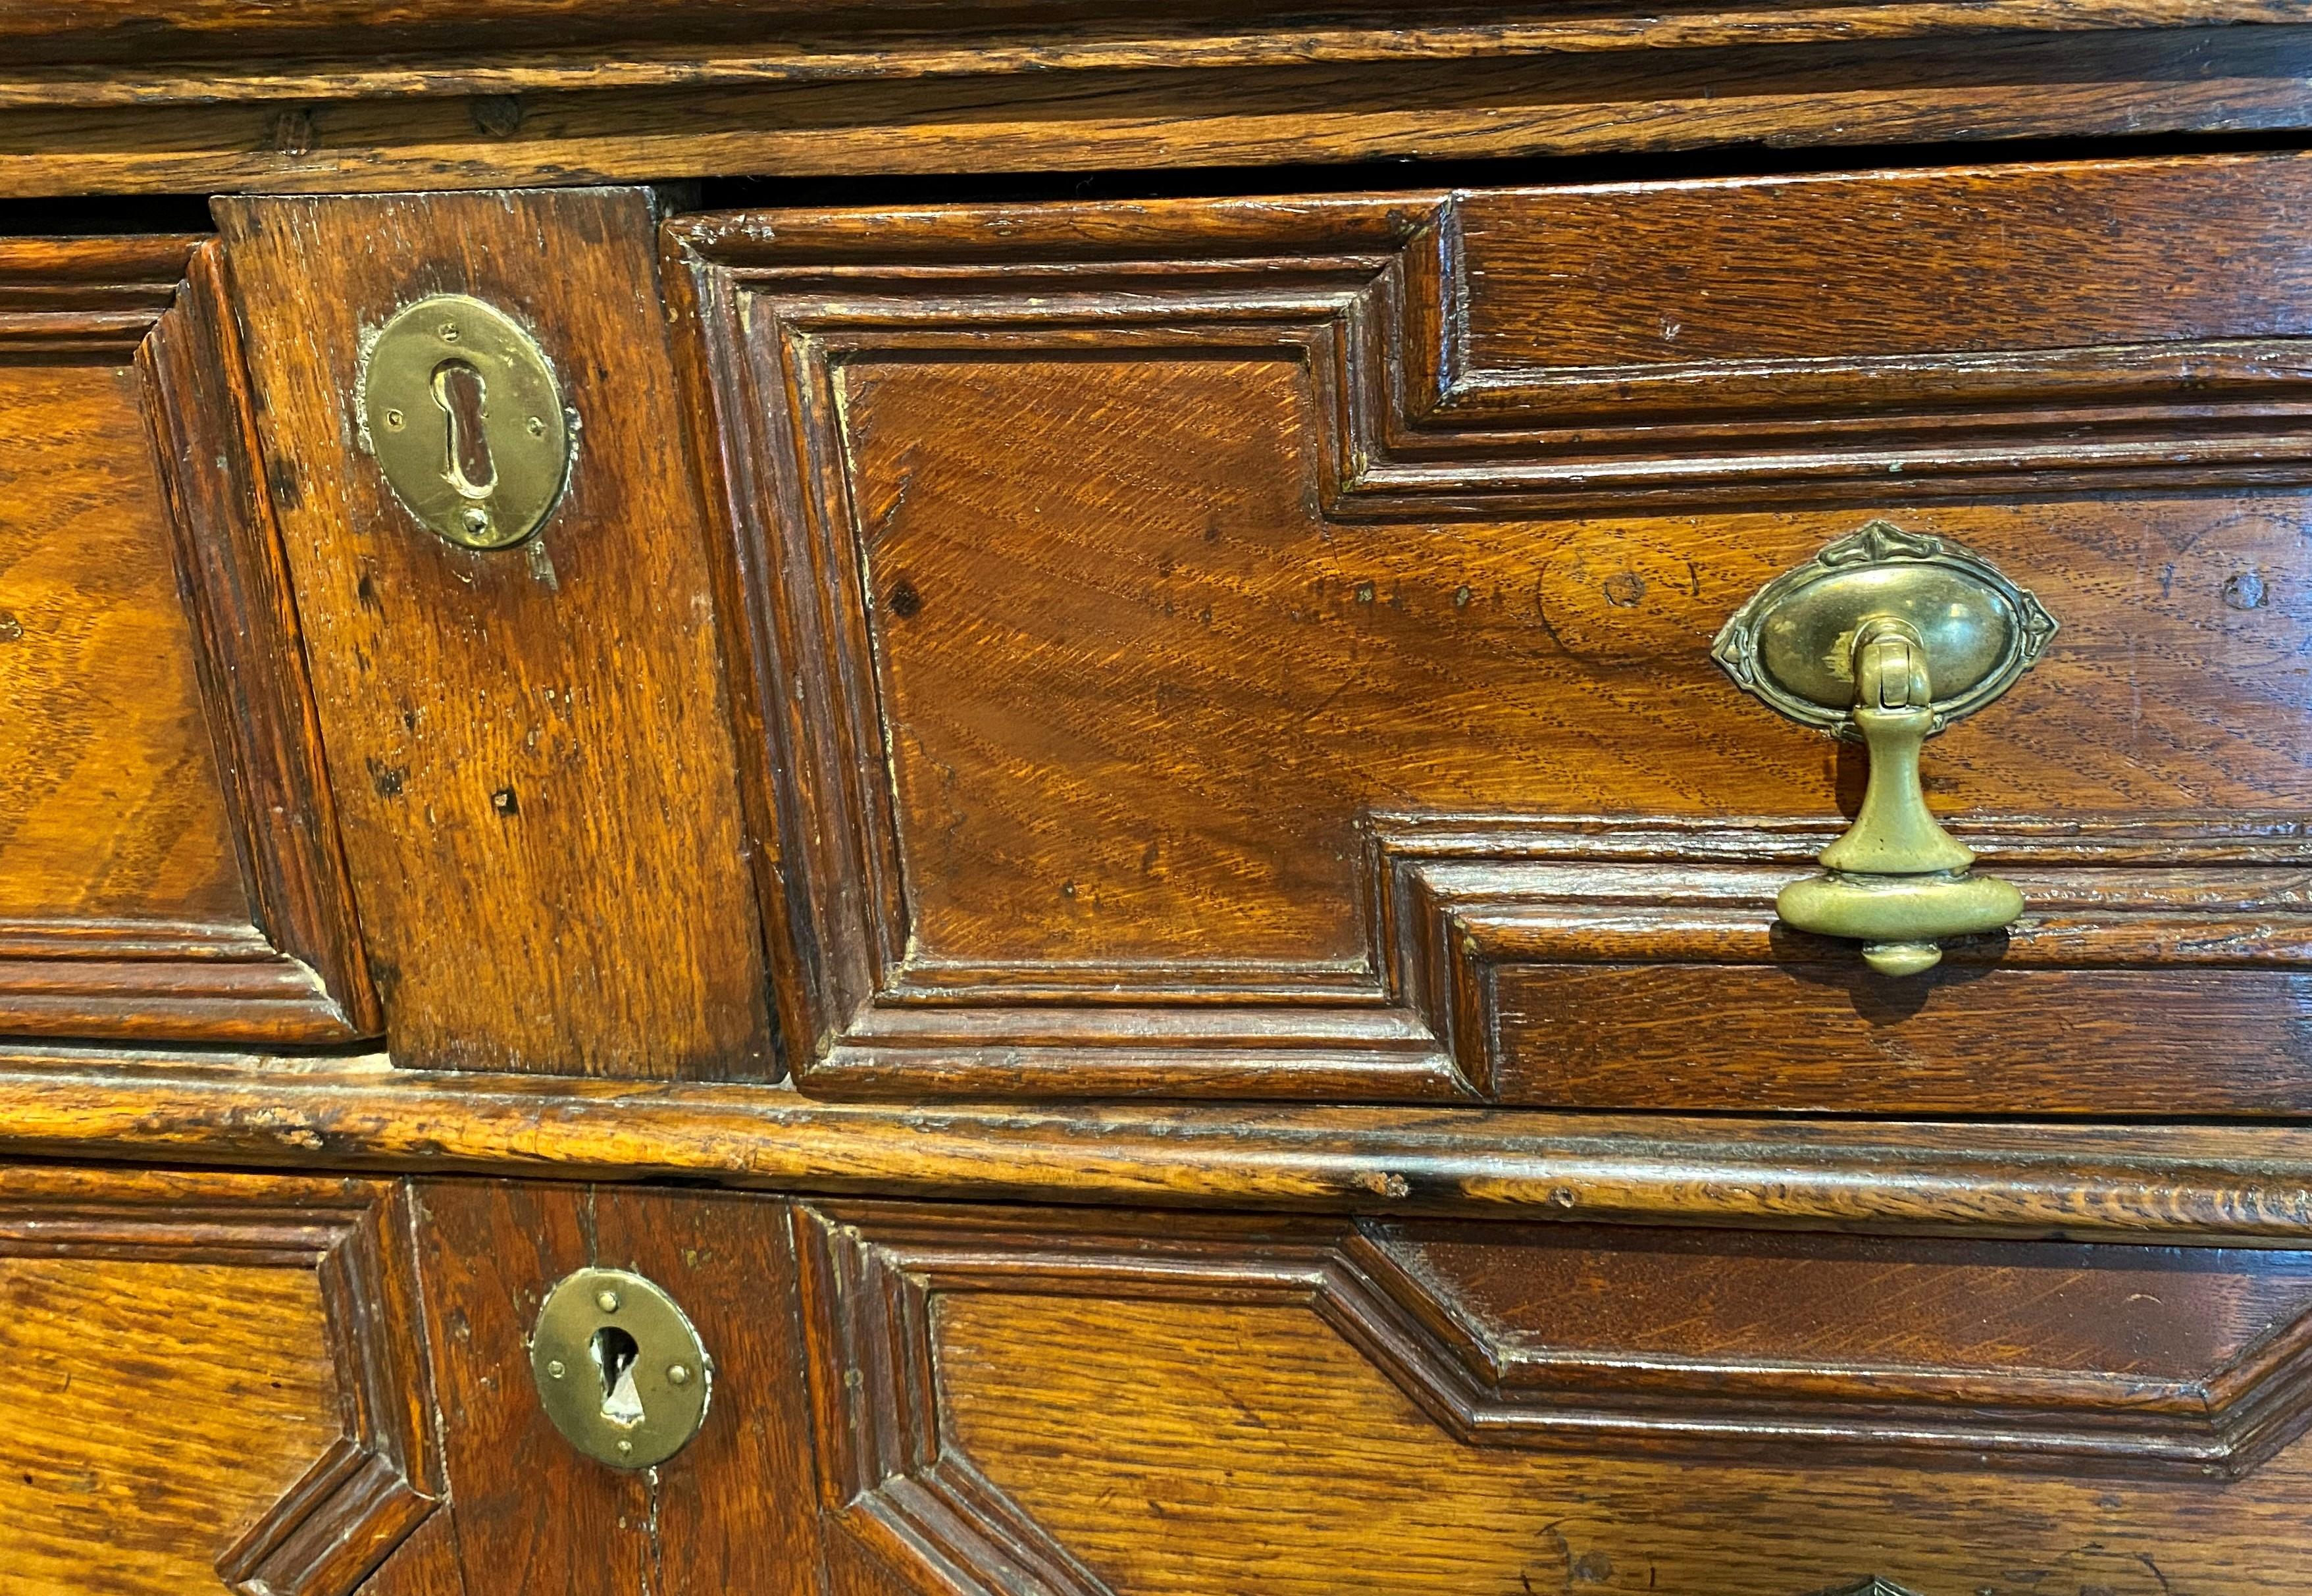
[1887,636]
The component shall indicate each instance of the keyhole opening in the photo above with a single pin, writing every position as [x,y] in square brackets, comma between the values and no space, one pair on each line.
[615,1353]
[459,390]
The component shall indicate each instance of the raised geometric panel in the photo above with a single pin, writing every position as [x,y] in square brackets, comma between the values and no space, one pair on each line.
[1118,581]
[224,1381]
[1631,962]
[167,864]
[2196,1360]
[1021,1400]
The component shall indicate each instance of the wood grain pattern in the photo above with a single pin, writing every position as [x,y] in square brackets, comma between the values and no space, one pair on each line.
[1132,559]
[109,805]
[233,569]
[733,1509]
[2129,1360]
[1328,1466]
[1627,964]
[903,38]
[1254,1433]
[1053,98]
[224,1382]
[546,721]
[125,854]
[2240,1185]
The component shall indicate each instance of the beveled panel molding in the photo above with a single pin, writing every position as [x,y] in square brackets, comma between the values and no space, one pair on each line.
[2136,1361]
[1415,391]
[291,971]
[377,1479]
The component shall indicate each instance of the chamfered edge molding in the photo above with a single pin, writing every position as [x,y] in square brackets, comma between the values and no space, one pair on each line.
[2184,1185]
[873,1272]
[378,1479]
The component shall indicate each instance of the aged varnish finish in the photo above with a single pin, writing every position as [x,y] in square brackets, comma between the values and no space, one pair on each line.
[1136,841]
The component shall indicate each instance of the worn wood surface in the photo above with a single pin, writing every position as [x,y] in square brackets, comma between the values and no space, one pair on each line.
[260,704]
[2171,1182]
[1261,1428]
[125,852]
[216,1382]
[1249,1448]
[110,806]
[528,747]
[907,37]
[734,1509]
[225,118]
[1136,563]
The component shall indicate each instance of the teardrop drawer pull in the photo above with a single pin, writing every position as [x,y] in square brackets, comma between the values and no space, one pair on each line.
[1886,637]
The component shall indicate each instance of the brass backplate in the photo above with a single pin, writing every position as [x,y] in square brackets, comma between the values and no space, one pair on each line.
[461,408]
[619,1369]
[1792,643]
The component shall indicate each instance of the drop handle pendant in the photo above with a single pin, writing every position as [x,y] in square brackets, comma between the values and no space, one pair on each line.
[1886,637]
[1897,881]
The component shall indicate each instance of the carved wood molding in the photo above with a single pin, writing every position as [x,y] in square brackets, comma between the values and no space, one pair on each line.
[1463,898]
[378,1479]
[86,300]
[1372,295]
[2172,1184]
[296,975]
[896,1473]
[302,976]
[1368,298]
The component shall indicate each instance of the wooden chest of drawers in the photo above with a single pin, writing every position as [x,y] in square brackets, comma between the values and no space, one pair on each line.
[747,845]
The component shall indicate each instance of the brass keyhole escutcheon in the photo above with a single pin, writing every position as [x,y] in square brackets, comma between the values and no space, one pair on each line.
[1886,637]
[458,389]
[619,1368]
[463,412]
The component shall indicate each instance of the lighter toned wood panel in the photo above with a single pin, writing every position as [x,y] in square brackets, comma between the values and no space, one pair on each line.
[110,801]
[155,1409]
[1195,1448]
[2090,255]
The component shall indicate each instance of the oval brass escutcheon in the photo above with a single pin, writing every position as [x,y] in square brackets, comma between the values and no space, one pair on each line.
[461,408]
[618,1368]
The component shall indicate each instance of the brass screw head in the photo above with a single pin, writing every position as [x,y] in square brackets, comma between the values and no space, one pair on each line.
[679,1374]
[448,332]
[607,1302]
[393,420]
[553,1369]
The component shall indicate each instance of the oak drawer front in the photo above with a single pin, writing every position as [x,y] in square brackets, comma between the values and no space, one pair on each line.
[1132,1406]
[1264,648]
[168,858]
[214,1383]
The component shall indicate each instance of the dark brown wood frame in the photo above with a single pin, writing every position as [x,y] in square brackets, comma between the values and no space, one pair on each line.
[2234,1186]
[253,97]
[1363,295]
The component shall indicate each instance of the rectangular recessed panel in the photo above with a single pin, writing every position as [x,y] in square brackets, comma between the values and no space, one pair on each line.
[1855,266]
[109,803]
[1124,580]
